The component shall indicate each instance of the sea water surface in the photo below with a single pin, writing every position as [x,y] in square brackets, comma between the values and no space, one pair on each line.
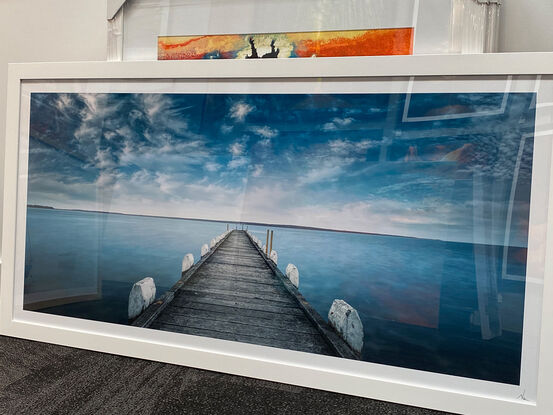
[417,298]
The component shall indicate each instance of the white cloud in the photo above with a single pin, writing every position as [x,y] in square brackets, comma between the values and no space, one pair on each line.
[412,220]
[344,147]
[239,111]
[104,159]
[264,131]
[171,154]
[324,173]
[52,189]
[257,170]
[107,179]
[110,135]
[237,162]
[342,122]
[143,192]
[88,133]
[327,162]
[154,104]
[94,103]
[64,101]
[166,184]
[126,132]
[236,149]
[97,110]
[212,166]
[272,202]
[337,123]
[225,128]
[41,150]
[281,204]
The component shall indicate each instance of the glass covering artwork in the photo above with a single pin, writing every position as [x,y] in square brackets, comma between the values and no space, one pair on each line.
[413,209]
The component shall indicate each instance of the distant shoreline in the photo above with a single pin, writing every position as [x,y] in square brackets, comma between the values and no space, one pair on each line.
[311,228]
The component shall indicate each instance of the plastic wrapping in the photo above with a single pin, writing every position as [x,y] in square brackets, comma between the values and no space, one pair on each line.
[440,26]
[474,26]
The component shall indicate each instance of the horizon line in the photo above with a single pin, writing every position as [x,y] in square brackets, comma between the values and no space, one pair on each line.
[38,206]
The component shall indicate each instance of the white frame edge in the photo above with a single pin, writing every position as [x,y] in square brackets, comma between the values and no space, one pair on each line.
[234,363]
[532,63]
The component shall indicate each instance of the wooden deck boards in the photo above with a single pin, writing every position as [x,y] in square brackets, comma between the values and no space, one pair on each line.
[282,307]
[235,295]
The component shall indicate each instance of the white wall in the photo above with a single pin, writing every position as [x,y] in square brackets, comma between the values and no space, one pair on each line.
[526,26]
[41,31]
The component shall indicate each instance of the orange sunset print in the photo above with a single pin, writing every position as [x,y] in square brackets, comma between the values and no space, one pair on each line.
[396,41]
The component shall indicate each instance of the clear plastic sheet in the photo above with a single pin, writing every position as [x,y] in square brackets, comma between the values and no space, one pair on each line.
[440,26]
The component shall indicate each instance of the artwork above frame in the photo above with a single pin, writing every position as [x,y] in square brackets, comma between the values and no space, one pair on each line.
[372,42]
[376,226]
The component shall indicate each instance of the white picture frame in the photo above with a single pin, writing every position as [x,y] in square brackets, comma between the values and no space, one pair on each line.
[406,386]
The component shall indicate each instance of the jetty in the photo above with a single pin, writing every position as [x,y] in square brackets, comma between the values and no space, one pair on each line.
[236,292]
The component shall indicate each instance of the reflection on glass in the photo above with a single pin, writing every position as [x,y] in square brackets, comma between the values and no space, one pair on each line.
[412,208]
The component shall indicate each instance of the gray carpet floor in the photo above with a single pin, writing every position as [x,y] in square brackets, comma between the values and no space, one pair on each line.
[39,378]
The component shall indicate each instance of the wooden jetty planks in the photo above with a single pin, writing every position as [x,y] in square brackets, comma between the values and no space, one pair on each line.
[235,294]
[233,284]
[284,318]
[317,346]
[230,300]
[239,320]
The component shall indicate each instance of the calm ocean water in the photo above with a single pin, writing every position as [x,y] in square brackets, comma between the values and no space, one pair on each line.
[417,298]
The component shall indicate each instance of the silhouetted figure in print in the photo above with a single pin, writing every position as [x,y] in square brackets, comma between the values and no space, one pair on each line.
[254,50]
[273,53]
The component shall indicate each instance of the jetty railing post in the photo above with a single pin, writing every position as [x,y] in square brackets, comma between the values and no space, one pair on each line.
[271,248]
[267,244]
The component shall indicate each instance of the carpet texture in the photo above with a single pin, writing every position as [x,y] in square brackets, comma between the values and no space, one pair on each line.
[39,378]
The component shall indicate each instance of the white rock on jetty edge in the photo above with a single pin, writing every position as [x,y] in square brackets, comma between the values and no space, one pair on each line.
[345,320]
[143,293]
[187,262]
[293,275]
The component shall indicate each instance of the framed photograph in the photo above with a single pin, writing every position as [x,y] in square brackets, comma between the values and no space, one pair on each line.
[375,226]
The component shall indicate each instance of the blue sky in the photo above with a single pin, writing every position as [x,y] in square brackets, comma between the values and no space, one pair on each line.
[359,162]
